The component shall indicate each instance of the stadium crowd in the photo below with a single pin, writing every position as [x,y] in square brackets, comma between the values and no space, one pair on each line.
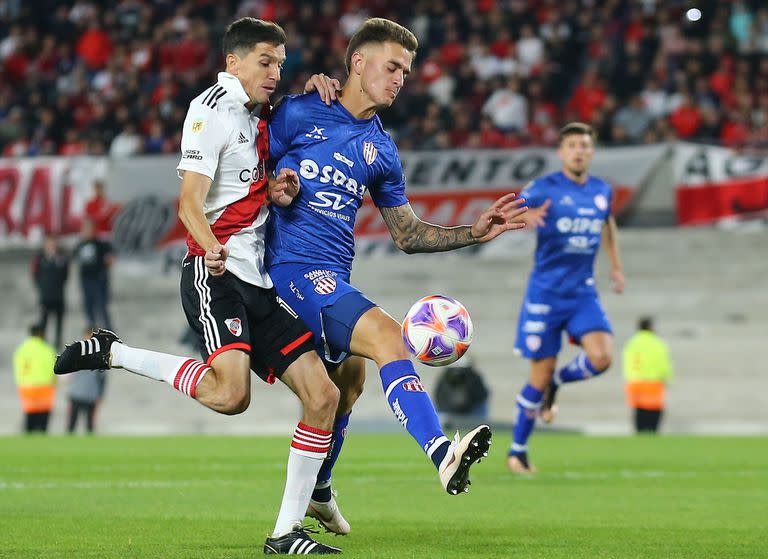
[78,76]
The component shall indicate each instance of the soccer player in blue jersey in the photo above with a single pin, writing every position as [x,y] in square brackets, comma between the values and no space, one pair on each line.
[570,210]
[339,154]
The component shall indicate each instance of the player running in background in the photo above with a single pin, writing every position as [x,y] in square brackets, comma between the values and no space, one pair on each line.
[228,297]
[571,210]
[341,153]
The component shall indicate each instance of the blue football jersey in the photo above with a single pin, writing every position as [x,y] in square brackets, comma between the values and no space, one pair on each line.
[567,244]
[338,158]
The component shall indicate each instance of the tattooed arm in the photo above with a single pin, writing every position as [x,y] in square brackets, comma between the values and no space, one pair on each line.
[412,235]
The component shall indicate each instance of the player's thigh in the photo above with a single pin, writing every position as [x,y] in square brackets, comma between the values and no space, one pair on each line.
[588,317]
[378,336]
[215,308]
[540,328]
[278,337]
[598,346]
[307,378]
[341,318]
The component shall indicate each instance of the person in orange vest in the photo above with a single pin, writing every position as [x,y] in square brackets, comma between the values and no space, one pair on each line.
[36,382]
[647,370]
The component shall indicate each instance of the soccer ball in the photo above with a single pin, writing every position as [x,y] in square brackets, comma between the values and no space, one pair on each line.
[437,330]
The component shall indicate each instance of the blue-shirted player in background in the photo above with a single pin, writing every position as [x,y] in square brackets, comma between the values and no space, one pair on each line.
[340,153]
[571,211]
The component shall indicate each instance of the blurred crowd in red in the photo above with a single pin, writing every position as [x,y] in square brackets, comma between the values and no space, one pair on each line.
[115,77]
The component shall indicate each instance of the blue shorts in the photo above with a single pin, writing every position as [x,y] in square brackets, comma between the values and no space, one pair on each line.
[544,316]
[325,301]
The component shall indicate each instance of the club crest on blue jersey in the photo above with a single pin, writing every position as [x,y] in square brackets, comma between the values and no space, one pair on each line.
[369,152]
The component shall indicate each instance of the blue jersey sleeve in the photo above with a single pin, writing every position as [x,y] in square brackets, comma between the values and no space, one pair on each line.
[282,129]
[535,194]
[390,192]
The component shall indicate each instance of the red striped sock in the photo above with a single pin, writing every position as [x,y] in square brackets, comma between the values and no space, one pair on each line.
[189,376]
[311,441]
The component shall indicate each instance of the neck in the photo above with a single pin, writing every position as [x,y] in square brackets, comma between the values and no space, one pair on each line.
[354,99]
[577,178]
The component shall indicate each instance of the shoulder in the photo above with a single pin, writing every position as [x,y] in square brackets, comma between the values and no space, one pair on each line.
[296,102]
[600,183]
[211,100]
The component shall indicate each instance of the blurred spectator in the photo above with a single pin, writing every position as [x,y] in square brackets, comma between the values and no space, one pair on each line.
[461,392]
[50,270]
[94,257]
[647,370]
[35,380]
[508,108]
[100,210]
[86,389]
[634,119]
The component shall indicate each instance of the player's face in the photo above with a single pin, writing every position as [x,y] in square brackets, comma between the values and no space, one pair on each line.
[576,151]
[383,68]
[259,70]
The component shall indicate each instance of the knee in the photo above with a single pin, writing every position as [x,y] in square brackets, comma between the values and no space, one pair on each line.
[601,360]
[234,400]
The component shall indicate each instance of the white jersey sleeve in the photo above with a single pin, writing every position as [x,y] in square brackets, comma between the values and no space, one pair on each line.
[205,135]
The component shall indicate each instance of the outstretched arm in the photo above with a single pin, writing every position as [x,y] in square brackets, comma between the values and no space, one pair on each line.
[412,235]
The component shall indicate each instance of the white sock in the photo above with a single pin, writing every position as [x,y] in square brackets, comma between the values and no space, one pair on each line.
[309,448]
[183,373]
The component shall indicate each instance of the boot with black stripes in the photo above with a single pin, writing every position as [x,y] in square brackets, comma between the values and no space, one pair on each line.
[90,353]
[297,542]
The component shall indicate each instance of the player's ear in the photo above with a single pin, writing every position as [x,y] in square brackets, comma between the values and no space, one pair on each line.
[233,63]
[357,62]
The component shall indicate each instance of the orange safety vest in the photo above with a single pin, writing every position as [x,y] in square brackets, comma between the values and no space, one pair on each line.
[645,394]
[36,399]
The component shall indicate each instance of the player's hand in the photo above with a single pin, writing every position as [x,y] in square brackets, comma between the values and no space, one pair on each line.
[284,188]
[505,214]
[324,85]
[617,280]
[536,216]
[214,259]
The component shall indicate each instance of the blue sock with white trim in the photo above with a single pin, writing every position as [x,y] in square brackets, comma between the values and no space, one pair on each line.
[528,404]
[413,408]
[578,369]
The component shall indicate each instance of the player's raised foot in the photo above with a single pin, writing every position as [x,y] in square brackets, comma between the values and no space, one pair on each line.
[519,464]
[297,542]
[548,409]
[329,515]
[92,353]
[463,452]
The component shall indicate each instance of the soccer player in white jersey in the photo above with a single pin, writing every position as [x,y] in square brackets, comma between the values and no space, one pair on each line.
[226,293]
[341,152]
[571,211]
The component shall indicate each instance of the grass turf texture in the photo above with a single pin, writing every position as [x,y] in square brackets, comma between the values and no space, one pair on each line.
[211,497]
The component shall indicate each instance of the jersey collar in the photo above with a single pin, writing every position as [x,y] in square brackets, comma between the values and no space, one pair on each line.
[233,86]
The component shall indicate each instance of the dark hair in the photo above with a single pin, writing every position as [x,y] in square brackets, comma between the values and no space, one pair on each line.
[243,34]
[576,128]
[380,30]
[37,330]
[645,323]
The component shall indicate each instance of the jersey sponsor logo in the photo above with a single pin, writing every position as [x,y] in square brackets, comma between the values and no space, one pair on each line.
[329,174]
[197,125]
[295,290]
[369,152]
[601,202]
[534,326]
[192,154]
[566,201]
[413,386]
[579,225]
[330,200]
[256,174]
[338,157]
[533,342]
[234,326]
[316,133]
[241,139]
[581,244]
[586,211]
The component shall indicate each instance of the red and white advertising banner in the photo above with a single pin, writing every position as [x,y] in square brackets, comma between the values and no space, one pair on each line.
[44,194]
[714,184]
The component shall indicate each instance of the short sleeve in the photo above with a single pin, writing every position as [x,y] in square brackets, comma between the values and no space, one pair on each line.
[282,128]
[534,194]
[390,192]
[203,139]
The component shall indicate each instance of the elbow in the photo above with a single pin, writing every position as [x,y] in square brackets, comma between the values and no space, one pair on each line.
[405,246]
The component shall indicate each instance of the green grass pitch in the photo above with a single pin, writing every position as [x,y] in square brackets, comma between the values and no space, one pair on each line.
[217,497]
